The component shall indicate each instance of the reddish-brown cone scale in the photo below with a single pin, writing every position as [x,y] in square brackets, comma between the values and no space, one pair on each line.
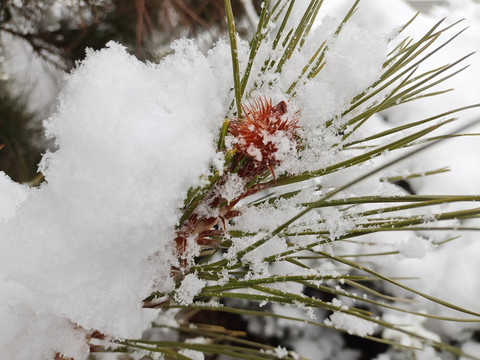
[261,122]
[254,138]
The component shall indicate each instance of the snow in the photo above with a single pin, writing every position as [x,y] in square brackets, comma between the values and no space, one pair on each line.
[409,323]
[192,354]
[191,285]
[320,345]
[470,347]
[198,340]
[11,196]
[446,271]
[352,324]
[415,247]
[330,93]
[233,187]
[281,352]
[24,338]
[81,252]
[84,249]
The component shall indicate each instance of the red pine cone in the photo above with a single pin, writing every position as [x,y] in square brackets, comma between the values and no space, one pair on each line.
[262,130]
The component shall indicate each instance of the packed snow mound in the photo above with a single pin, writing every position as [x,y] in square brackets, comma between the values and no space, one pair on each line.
[86,247]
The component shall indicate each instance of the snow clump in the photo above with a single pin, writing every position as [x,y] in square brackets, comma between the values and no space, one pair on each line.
[81,252]
[352,324]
